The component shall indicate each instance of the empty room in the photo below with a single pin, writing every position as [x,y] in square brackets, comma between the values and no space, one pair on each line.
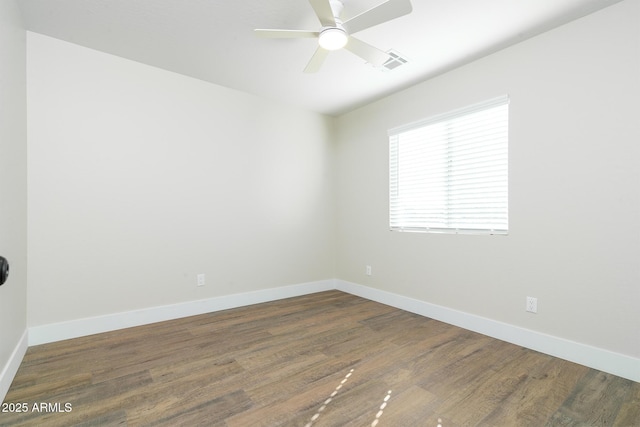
[320,213]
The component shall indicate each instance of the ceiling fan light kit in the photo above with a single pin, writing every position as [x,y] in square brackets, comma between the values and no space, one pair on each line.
[336,34]
[333,38]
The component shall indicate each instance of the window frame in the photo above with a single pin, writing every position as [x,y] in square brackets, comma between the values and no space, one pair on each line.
[397,219]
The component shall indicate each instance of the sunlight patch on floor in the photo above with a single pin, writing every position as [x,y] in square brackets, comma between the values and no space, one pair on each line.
[329,399]
[382,406]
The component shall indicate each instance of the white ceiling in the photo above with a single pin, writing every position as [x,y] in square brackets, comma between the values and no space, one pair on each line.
[213,40]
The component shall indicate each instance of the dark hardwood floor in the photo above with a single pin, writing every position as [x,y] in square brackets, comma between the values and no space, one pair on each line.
[327,359]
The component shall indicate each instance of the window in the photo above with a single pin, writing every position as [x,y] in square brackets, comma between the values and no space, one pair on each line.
[449,173]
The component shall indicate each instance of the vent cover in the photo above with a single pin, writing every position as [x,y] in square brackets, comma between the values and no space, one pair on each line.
[394,62]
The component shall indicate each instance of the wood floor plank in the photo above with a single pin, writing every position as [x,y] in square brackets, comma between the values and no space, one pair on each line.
[541,394]
[595,400]
[325,359]
[112,419]
[411,406]
[289,405]
[36,388]
[487,393]
[629,412]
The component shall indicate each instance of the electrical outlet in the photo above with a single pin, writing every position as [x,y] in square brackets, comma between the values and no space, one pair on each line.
[200,279]
[368,270]
[532,304]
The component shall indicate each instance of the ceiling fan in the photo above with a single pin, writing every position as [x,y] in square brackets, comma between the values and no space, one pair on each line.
[337,34]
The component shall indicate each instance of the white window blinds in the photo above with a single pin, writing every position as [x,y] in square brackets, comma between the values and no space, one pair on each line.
[449,173]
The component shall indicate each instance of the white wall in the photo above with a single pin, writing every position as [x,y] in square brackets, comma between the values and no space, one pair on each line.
[139,179]
[13,188]
[574,239]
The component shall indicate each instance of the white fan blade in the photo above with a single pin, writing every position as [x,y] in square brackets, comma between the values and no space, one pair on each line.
[383,12]
[316,60]
[371,54]
[285,34]
[324,12]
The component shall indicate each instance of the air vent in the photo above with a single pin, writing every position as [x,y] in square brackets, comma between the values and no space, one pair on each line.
[396,60]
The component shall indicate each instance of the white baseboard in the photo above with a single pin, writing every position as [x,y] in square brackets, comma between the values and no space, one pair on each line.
[11,368]
[94,325]
[593,357]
